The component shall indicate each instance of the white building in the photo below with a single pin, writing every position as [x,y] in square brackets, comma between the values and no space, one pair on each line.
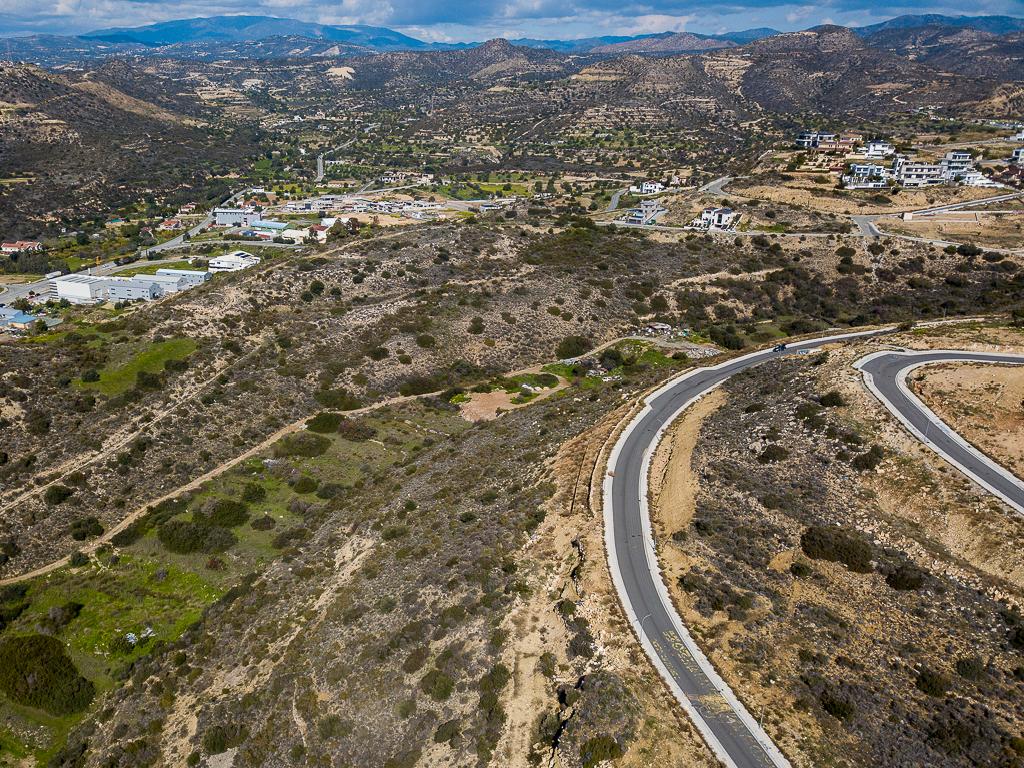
[169,283]
[811,139]
[956,163]
[79,289]
[233,262]
[877,149]
[192,277]
[234,217]
[978,179]
[1018,156]
[142,287]
[717,218]
[647,188]
[866,176]
[915,174]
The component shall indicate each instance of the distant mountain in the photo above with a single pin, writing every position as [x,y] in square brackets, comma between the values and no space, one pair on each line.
[957,49]
[581,45]
[252,28]
[683,42]
[997,25]
[745,36]
[667,42]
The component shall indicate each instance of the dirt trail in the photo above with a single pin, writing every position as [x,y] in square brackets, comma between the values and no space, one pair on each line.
[194,484]
[673,483]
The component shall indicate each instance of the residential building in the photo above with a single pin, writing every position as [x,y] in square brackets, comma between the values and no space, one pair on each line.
[647,213]
[956,163]
[233,262]
[170,224]
[647,188]
[866,176]
[1018,156]
[139,288]
[912,174]
[877,149]
[19,246]
[813,139]
[192,277]
[977,179]
[233,217]
[717,218]
[295,235]
[79,289]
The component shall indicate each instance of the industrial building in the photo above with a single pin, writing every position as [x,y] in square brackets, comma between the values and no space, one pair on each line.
[233,262]
[79,289]
[169,283]
[138,288]
[193,277]
[234,217]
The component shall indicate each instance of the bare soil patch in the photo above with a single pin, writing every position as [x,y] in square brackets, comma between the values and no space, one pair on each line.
[984,403]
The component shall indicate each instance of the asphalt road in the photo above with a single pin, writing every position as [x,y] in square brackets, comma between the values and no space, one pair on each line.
[885,374]
[725,724]
[731,732]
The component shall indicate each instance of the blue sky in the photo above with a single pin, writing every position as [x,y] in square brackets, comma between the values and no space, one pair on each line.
[454,20]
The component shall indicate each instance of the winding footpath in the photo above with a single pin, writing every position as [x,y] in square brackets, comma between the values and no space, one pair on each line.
[734,736]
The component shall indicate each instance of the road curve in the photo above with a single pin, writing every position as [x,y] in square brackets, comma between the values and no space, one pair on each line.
[885,374]
[729,730]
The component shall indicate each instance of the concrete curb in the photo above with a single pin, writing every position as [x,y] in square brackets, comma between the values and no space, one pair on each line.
[650,555]
[901,382]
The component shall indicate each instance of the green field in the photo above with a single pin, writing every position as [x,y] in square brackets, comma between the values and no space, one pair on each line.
[119,379]
[150,269]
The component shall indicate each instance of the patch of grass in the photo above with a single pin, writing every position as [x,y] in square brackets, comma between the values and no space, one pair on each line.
[117,380]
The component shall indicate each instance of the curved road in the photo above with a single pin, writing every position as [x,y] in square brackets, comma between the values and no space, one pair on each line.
[885,374]
[731,732]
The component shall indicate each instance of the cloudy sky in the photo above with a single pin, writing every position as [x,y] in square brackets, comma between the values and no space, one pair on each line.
[465,20]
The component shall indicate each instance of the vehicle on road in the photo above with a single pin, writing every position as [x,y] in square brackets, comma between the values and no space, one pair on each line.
[779,348]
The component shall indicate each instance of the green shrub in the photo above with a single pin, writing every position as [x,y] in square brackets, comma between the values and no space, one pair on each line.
[425,340]
[35,671]
[773,453]
[325,422]
[85,528]
[301,444]
[338,399]
[869,459]
[184,537]
[220,738]
[970,667]
[573,346]
[355,431]
[447,731]
[832,399]
[78,559]
[253,492]
[932,682]
[837,545]
[305,484]
[837,706]
[265,523]
[905,577]
[226,513]
[598,750]
[420,385]
[393,532]
[416,659]
[57,494]
[437,685]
